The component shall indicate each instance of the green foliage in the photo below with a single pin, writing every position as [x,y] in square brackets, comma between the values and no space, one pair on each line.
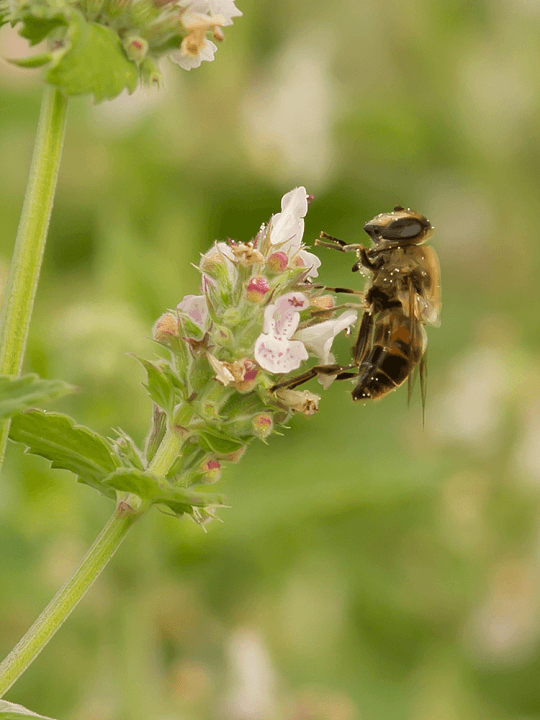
[17,394]
[11,711]
[87,57]
[66,445]
[159,384]
[92,62]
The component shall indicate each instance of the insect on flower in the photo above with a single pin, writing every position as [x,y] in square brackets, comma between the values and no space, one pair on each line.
[402,295]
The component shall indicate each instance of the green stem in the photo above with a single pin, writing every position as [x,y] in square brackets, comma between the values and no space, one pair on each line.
[68,596]
[106,544]
[31,236]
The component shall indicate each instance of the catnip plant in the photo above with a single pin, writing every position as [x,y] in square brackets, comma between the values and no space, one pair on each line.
[259,316]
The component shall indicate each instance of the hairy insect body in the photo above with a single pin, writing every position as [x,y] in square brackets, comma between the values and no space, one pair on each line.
[402,294]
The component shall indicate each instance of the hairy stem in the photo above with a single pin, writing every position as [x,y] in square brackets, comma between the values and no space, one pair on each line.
[31,236]
[104,547]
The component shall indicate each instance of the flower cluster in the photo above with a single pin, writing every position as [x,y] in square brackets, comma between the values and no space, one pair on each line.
[258,319]
[104,46]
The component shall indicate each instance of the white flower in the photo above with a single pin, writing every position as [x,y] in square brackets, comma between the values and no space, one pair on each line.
[188,62]
[194,306]
[287,229]
[274,349]
[226,8]
[288,225]
[319,338]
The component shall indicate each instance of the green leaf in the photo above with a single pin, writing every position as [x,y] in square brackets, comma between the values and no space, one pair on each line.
[66,445]
[37,26]
[213,440]
[10,711]
[143,484]
[92,62]
[159,386]
[17,394]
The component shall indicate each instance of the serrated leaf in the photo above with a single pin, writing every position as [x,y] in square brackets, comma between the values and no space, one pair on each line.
[93,62]
[16,394]
[159,386]
[142,483]
[66,445]
[11,711]
[36,28]
[213,440]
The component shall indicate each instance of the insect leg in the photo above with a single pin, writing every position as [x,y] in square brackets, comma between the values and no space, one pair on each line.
[340,371]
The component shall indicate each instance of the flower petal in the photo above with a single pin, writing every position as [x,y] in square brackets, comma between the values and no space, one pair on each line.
[188,62]
[279,356]
[288,225]
[319,338]
[194,306]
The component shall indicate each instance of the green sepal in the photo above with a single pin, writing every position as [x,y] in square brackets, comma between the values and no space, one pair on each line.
[33,61]
[213,440]
[11,711]
[126,449]
[156,434]
[93,61]
[67,446]
[182,501]
[160,385]
[16,394]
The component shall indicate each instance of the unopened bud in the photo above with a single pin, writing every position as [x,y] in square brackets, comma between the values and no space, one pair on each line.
[299,401]
[211,471]
[257,288]
[248,372]
[324,302]
[136,48]
[263,425]
[165,328]
[277,262]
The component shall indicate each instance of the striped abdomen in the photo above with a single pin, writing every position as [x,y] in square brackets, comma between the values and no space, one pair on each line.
[393,355]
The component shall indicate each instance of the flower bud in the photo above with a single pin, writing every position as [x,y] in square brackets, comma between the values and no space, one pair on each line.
[263,425]
[136,48]
[257,288]
[323,302]
[165,328]
[93,7]
[235,456]
[277,262]
[211,471]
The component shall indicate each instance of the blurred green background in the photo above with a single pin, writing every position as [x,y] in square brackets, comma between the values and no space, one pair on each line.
[368,569]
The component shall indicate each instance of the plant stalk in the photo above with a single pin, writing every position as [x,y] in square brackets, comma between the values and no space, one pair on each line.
[104,547]
[31,237]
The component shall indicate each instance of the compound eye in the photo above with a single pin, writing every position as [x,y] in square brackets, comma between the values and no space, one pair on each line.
[402,229]
[374,231]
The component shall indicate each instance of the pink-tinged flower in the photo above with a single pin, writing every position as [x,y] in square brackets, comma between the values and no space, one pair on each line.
[165,328]
[263,425]
[319,338]
[194,306]
[274,349]
[257,288]
[211,470]
[277,262]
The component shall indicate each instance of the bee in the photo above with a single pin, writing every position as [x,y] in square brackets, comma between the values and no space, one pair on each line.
[403,293]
